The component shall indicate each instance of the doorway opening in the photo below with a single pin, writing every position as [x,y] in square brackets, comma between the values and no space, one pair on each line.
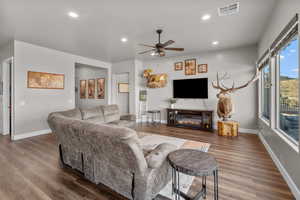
[120,97]
[6,98]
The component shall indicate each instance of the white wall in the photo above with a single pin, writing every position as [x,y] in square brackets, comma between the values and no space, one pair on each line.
[284,11]
[287,157]
[86,72]
[32,106]
[239,63]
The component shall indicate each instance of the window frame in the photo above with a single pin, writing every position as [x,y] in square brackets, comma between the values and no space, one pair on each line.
[277,129]
[261,116]
[291,31]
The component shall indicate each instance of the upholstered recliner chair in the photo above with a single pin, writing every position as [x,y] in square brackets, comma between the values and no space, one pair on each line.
[111,155]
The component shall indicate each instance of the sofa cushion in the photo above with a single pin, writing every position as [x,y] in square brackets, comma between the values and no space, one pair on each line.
[74,113]
[94,115]
[111,113]
[122,123]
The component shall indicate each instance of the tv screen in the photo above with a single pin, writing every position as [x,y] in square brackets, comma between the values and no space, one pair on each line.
[190,88]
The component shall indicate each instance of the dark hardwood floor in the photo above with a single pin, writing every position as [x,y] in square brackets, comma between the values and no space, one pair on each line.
[29,169]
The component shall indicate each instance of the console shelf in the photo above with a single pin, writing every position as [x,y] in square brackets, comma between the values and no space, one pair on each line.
[195,119]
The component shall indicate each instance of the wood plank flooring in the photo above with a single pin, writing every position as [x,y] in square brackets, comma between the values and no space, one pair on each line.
[29,169]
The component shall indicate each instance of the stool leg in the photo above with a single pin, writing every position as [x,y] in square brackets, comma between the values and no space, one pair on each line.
[204,186]
[178,185]
[216,195]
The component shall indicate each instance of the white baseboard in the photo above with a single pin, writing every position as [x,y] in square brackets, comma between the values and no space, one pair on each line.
[31,134]
[250,131]
[295,190]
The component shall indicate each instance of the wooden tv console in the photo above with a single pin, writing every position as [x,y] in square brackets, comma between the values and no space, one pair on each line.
[195,119]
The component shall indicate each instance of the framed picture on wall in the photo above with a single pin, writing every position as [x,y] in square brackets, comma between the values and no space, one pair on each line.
[178,66]
[202,68]
[43,80]
[100,88]
[190,67]
[123,88]
[91,88]
[83,89]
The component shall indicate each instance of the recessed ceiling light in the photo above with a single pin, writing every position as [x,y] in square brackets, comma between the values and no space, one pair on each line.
[73,14]
[152,54]
[124,39]
[206,17]
[215,43]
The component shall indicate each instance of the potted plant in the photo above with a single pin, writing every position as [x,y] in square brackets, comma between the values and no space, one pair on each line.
[172,102]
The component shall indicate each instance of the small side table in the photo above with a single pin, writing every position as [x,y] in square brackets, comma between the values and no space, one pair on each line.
[155,115]
[228,128]
[193,163]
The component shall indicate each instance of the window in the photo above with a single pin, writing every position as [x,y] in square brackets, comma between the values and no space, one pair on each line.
[288,90]
[266,93]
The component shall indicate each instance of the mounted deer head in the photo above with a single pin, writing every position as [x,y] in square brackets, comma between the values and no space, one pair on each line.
[225,106]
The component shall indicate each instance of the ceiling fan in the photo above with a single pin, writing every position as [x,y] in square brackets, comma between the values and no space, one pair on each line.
[160,48]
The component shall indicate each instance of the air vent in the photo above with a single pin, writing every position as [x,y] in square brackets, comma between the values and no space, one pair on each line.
[229,9]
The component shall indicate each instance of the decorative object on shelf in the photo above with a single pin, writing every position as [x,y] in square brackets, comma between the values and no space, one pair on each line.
[178,66]
[91,88]
[100,88]
[43,80]
[83,89]
[172,102]
[155,80]
[225,106]
[160,48]
[202,68]
[228,128]
[143,95]
[123,88]
[190,67]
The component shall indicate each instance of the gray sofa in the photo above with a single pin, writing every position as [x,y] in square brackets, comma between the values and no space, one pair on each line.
[97,143]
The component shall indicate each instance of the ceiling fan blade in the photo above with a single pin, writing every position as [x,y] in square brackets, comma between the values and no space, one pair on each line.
[175,49]
[147,51]
[168,43]
[146,45]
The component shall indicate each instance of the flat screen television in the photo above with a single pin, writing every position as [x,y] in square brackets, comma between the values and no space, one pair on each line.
[190,88]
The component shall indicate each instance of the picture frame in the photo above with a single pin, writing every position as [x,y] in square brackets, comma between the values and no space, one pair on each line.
[82,89]
[44,80]
[178,66]
[91,88]
[100,88]
[202,68]
[190,67]
[123,88]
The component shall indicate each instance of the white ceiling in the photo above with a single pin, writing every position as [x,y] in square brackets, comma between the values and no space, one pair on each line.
[97,32]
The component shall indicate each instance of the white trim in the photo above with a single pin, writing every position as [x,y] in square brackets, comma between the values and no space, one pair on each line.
[31,134]
[250,131]
[284,173]
[286,139]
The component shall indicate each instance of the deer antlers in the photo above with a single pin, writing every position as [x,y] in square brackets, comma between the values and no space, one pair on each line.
[219,85]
